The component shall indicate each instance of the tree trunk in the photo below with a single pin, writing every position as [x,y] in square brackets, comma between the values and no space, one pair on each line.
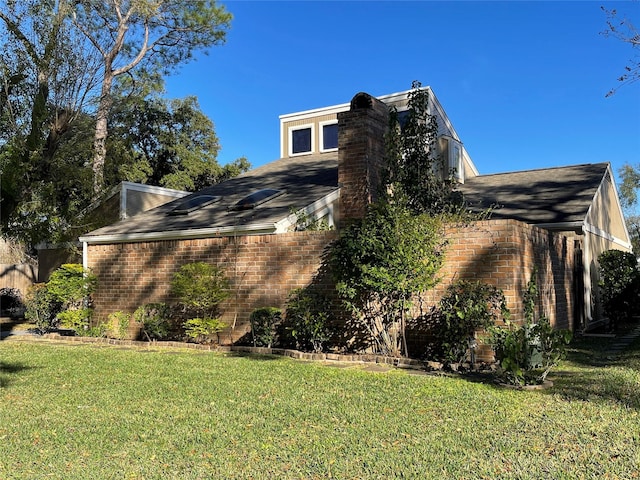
[101,132]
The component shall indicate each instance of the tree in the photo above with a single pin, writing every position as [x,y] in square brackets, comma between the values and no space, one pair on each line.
[147,35]
[624,30]
[383,262]
[46,77]
[165,142]
[629,199]
[415,173]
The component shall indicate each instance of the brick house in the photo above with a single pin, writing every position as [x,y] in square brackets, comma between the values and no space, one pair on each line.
[555,219]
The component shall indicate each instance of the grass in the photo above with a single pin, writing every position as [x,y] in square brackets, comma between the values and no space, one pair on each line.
[99,412]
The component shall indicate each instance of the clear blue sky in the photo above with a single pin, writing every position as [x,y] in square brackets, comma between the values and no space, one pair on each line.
[523,83]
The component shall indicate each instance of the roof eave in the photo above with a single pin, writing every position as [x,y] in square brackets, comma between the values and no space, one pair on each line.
[258,229]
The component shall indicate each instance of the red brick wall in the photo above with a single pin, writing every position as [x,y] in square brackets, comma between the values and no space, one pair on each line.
[263,269]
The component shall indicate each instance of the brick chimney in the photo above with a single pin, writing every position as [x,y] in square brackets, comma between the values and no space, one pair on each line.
[361,149]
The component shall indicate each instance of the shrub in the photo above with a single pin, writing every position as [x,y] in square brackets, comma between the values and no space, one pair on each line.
[202,329]
[465,308]
[41,307]
[527,353]
[118,325]
[619,284]
[154,318]
[263,325]
[200,288]
[306,318]
[71,285]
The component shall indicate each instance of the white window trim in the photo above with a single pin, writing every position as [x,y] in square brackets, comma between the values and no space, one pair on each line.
[313,139]
[456,164]
[321,126]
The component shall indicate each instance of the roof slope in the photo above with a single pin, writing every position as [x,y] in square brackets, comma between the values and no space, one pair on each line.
[304,179]
[550,195]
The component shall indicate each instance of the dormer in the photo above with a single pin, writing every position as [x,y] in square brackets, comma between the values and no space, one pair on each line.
[316,132]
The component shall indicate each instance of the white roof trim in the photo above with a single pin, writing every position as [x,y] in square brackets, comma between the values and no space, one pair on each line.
[326,201]
[179,234]
[139,187]
[606,235]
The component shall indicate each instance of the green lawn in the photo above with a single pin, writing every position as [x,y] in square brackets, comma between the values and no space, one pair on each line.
[98,412]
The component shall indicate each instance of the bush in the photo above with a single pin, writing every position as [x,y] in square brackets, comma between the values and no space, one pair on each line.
[203,329]
[465,308]
[118,325]
[619,285]
[71,285]
[263,325]
[154,318]
[307,318]
[41,308]
[527,353]
[200,288]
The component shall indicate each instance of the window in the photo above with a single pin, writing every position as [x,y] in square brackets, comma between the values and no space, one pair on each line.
[403,116]
[193,203]
[455,160]
[300,140]
[256,198]
[329,139]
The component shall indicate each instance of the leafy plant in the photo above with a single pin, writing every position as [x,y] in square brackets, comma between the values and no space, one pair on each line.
[202,329]
[380,264]
[307,319]
[154,318]
[263,325]
[528,352]
[465,308]
[201,287]
[71,285]
[118,325]
[619,284]
[41,307]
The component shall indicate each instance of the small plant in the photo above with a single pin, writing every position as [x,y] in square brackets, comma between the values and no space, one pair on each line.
[263,325]
[154,318]
[41,308]
[202,329]
[71,285]
[307,318]
[118,325]
[527,353]
[201,288]
[466,308]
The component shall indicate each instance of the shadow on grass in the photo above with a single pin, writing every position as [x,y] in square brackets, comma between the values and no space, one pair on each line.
[8,370]
[592,373]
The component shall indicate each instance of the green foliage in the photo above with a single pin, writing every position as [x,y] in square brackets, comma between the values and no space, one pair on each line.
[263,325]
[154,318]
[71,285]
[415,175]
[78,319]
[465,308]
[528,352]
[619,284]
[306,317]
[202,329]
[118,325]
[200,286]
[381,263]
[41,307]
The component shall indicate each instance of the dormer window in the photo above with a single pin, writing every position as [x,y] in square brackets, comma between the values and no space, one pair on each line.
[256,198]
[329,136]
[192,204]
[301,140]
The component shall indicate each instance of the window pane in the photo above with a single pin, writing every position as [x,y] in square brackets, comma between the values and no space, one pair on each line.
[330,136]
[301,140]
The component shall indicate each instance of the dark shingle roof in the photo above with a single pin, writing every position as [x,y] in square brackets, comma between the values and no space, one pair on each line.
[304,179]
[550,195]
